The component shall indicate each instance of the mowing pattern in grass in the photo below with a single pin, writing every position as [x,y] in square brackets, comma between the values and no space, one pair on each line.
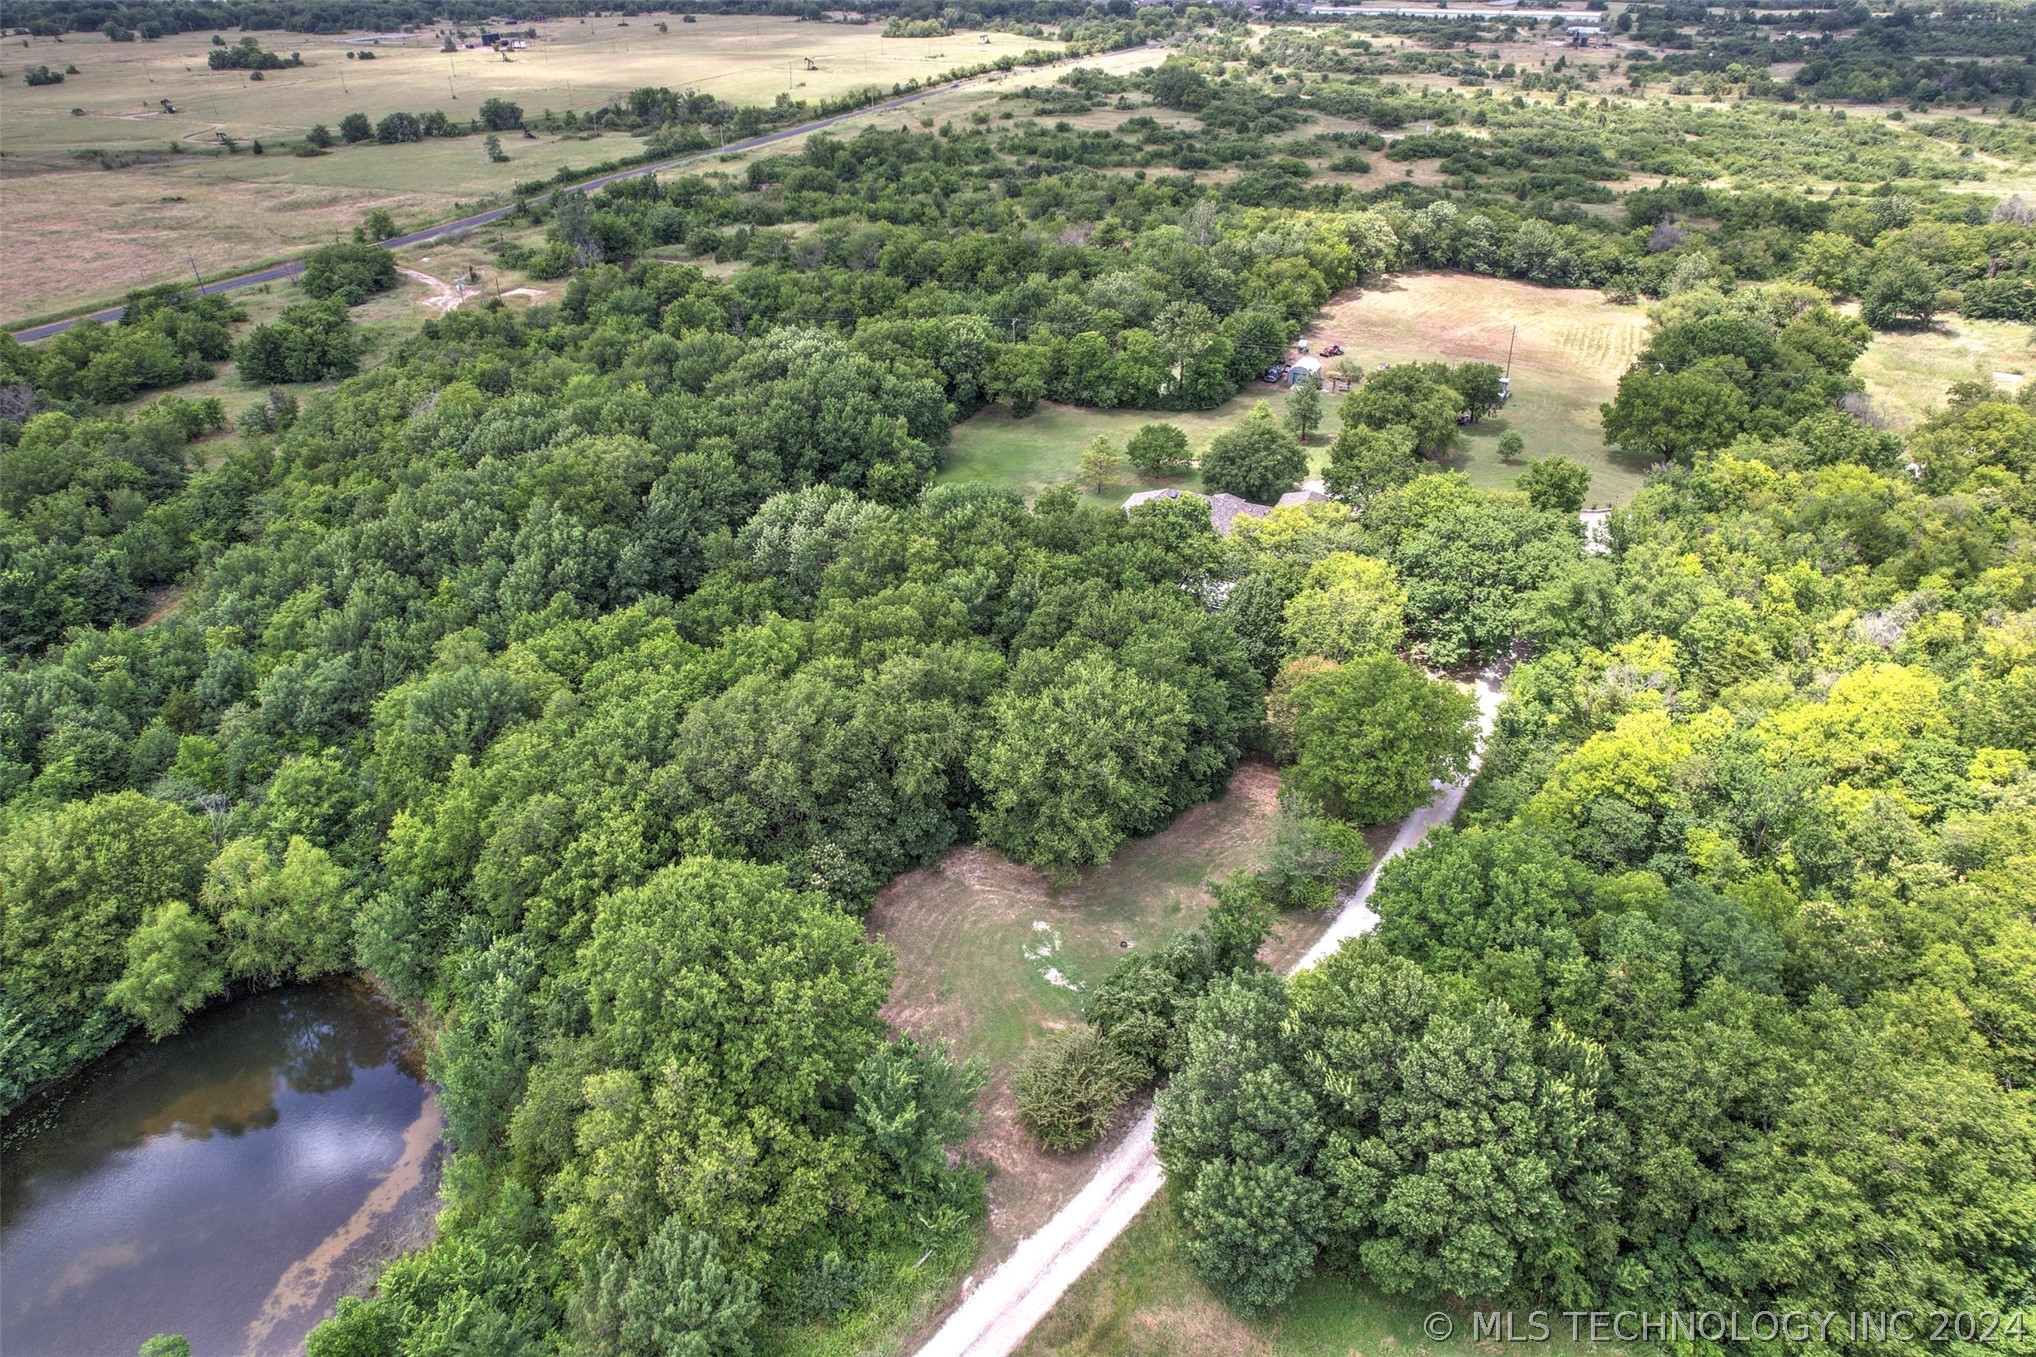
[1571,349]
[990,958]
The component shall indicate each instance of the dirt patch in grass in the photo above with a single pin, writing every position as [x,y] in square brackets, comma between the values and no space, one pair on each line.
[992,958]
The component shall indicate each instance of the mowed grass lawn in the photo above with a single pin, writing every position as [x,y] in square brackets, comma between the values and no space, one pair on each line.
[1571,349]
[992,959]
[152,219]
[1141,1299]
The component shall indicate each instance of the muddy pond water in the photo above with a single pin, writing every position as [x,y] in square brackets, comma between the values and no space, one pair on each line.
[229,1183]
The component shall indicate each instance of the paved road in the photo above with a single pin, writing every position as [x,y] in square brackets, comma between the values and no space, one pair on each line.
[997,1315]
[280,272]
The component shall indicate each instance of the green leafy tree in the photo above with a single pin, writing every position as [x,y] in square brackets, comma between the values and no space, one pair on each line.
[1556,485]
[1511,446]
[308,342]
[1373,736]
[1470,564]
[1478,384]
[1304,407]
[1673,415]
[1404,397]
[355,128]
[173,967]
[1159,450]
[399,127]
[1099,463]
[767,997]
[350,272]
[1350,606]
[499,115]
[1069,1088]
[1257,460]
[1237,1133]
[166,1345]
[292,917]
[75,884]
[1313,856]
[675,1296]
[1365,463]
[916,1102]
[1900,289]
[1068,771]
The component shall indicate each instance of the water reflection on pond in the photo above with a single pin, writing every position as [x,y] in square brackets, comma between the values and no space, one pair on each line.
[228,1184]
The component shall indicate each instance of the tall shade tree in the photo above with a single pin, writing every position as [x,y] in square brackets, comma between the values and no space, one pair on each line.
[1159,450]
[731,1010]
[1069,771]
[75,883]
[1371,737]
[1365,463]
[1556,485]
[1350,606]
[1257,460]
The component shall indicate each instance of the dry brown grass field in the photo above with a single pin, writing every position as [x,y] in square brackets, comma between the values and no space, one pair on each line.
[73,232]
[1572,347]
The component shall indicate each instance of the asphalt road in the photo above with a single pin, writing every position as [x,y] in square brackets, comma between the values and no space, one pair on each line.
[994,1316]
[283,272]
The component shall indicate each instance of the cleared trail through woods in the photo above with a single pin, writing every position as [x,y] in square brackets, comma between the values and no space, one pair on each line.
[997,1314]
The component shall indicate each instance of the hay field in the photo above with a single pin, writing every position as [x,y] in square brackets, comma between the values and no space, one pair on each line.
[1908,372]
[1572,347]
[153,219]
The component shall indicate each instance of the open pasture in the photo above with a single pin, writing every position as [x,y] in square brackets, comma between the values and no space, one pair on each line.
[1572,346]
[161,211]
[1908,372]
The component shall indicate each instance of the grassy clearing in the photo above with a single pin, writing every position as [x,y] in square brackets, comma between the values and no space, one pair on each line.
[1908,372]
[1572,347]
[990,958]
[1141,1299]
[1043,449]
[385,320]
[154,218]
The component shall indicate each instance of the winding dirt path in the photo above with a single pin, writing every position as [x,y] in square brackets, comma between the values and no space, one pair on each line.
[996,1315]
[444,296]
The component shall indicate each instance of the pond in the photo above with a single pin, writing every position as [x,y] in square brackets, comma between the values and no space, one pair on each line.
[228,1184]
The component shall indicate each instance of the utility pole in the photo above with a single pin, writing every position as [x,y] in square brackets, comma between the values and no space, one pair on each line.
[1509,352]
[196,276]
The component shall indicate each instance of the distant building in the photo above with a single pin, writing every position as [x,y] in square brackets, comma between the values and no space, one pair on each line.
[1294,497]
